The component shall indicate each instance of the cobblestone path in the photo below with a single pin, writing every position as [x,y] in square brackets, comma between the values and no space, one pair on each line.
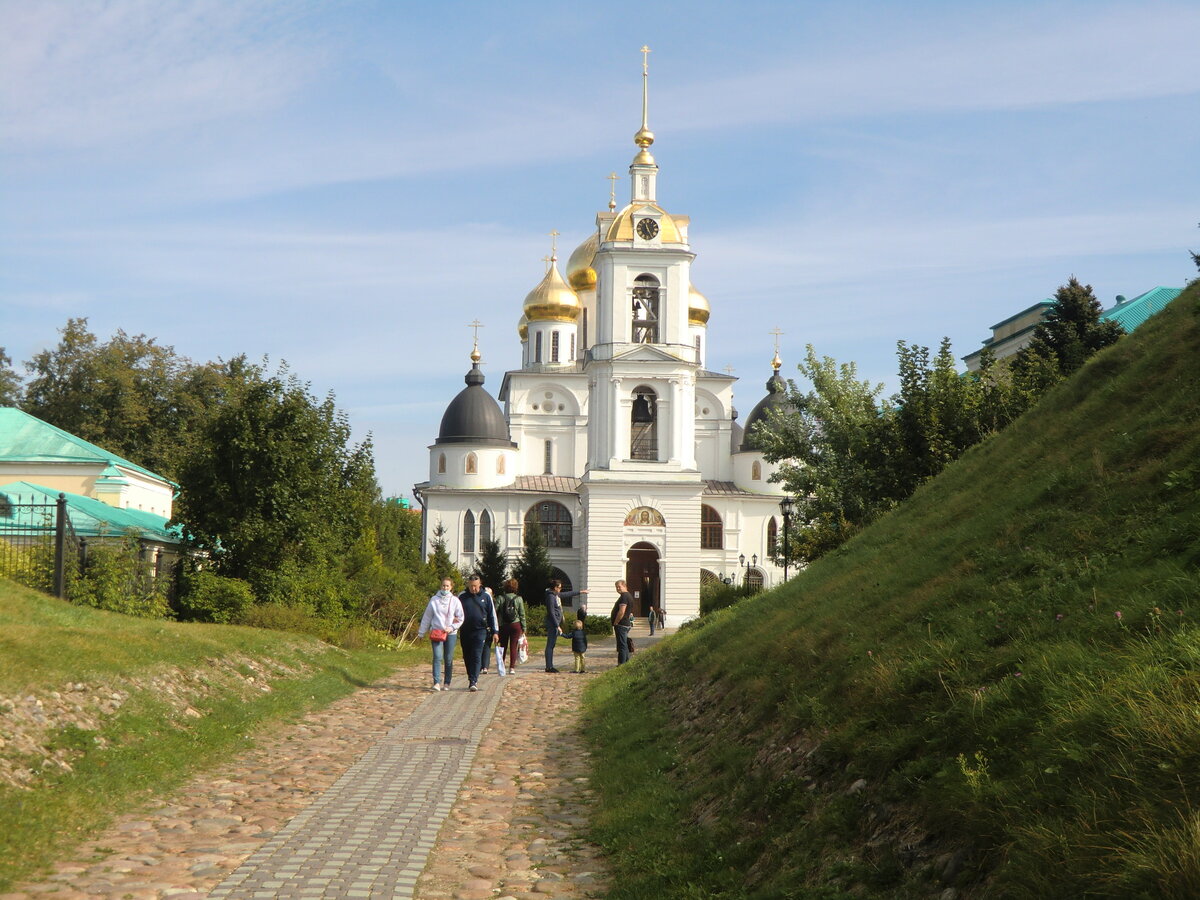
[392,791]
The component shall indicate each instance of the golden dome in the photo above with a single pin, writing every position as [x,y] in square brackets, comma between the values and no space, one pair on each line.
[581,274]
[552,300]
[698,308]
[621,228]
[523,328]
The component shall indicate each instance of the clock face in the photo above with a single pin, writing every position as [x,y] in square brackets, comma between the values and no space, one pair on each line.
[647,229]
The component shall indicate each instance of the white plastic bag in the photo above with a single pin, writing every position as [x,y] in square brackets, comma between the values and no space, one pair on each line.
[522,649]
[500,662]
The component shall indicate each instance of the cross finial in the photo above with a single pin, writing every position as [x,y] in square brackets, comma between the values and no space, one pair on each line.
[645,59]
[729,370]
[475,354]
[554,245]
[612,190]
[776,362]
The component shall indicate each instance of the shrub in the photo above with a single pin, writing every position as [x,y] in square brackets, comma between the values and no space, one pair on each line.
[115,578]
[206,597]
[719,595]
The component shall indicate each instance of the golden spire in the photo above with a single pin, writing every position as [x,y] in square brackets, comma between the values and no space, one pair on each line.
[476,356]
[612,190]
[645,137]
[776,363]
[554,246]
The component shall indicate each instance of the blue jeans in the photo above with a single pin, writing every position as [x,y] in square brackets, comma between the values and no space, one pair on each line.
[443,650]
[473,643]
[622,643]
[551,640]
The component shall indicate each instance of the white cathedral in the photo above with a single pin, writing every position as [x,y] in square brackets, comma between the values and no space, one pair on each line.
[615,438]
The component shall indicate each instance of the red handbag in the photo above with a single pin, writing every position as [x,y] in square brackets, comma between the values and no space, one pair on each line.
[437,635]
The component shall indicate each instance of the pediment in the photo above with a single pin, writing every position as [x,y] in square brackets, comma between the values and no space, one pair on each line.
[646,353]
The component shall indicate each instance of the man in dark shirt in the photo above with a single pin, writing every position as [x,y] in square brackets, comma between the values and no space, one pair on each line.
[622,620]
[479,627]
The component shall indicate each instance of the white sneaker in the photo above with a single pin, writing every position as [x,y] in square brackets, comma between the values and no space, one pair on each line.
[436,687]
[472,688]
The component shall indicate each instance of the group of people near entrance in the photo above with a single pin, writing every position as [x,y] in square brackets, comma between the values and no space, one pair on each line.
[482,624]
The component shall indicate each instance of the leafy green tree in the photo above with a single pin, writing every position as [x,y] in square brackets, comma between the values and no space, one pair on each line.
[10,381]
[493,565]
[273,490]
[398,534]
[1070,332]
[533,568]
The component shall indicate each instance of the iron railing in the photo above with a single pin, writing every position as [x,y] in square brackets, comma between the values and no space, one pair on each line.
[38,546]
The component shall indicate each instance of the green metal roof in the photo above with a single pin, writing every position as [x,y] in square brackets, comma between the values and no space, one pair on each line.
[1132,313]
[26,438]
[91,518]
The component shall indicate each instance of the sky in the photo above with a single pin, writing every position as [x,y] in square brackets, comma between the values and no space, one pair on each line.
[348,185]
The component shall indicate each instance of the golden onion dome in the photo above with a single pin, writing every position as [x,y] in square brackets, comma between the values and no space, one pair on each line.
[621,228]
[581,274]
[523,328]
[698,308]
[552,300]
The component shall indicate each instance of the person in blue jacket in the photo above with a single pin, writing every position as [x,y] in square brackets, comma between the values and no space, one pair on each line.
[479,628]
[554,618]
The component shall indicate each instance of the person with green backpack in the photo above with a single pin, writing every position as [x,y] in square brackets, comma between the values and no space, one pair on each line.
[510,608]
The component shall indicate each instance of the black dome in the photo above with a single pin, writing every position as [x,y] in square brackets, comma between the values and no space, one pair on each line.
[776,399]
[474,416]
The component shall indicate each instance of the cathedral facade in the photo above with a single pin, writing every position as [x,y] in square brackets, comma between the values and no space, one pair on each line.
[615,439]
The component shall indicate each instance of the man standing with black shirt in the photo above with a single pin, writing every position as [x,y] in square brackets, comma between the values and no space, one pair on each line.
[622,620]
[479,628]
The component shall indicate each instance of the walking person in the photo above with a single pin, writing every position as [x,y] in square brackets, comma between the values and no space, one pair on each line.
[579,646]
[554,618]
[442,619]
[511,610]
[622,620]
[479,629]
[653,617]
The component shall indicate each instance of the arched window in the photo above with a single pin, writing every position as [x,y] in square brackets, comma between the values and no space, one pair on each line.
[441,463]
[472,464]
[712,534]
[572,348]
[500,464]
[468,541]
[537,343]
[485,527]
[557,574]
[708,578]
[554,520]
[756,471]
[646,296]
[772,536]
[754,579]
[643,424]
[697,348]
[583,339]
[554,346]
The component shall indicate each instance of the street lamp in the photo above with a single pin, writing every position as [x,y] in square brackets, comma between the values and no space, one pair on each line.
[787,505]
[753,561]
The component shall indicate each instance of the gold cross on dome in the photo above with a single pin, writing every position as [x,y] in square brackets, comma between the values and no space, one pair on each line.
[612,190]
[475,326]
[554,245]
[777,332]
[645,60]
[546,262]
[729,370]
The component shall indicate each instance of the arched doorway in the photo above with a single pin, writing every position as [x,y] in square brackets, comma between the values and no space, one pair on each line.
[642,576]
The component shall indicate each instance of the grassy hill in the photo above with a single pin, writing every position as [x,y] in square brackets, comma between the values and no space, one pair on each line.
[993,692]
[98,711]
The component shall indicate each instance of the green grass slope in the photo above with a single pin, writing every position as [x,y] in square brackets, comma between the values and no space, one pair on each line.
[993,692]
[100,711]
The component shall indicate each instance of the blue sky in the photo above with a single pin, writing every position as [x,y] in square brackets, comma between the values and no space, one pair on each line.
[346,185]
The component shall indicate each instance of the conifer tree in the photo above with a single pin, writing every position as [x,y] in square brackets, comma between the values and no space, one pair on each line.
[533,568]
[439,558]
[1071,330]
[10,381]
[493,566]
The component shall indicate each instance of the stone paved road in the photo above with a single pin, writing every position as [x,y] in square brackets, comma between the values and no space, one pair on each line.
[343,804]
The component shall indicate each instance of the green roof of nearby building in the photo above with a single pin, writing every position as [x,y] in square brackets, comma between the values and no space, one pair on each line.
[26,438]
[1132,313]
[92,518]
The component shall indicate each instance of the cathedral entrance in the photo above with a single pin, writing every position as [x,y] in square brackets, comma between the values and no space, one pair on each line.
[642,576]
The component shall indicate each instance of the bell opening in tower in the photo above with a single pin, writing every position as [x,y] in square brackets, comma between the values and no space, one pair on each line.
[646,297]
[644,425]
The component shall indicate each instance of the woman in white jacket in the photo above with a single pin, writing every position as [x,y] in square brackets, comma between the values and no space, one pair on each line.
[444,612]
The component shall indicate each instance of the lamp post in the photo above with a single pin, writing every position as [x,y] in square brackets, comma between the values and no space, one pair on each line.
[741,563]
[786,505]
[752,562]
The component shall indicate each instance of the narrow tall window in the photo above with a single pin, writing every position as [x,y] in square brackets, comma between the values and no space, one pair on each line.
[645,309]
[584,337]
[554,346]
[500,464]
[548,458]
[485,527]
[643,424]
[472,464]
[697,348]
[711,531]
[441,463]
[756,471]
[468,541]
[572,348]
[772,536]
[537,343]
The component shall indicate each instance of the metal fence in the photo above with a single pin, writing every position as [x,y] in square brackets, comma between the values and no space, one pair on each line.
[38,546]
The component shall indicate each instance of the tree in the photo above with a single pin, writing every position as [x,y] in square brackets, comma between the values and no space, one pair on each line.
[272,489]
[439,558]
[533,568]
[10,381]
[1070,332]
[493,565]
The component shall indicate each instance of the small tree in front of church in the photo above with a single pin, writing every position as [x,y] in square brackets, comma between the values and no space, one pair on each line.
[493,565]
[533,568]
[439,563]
